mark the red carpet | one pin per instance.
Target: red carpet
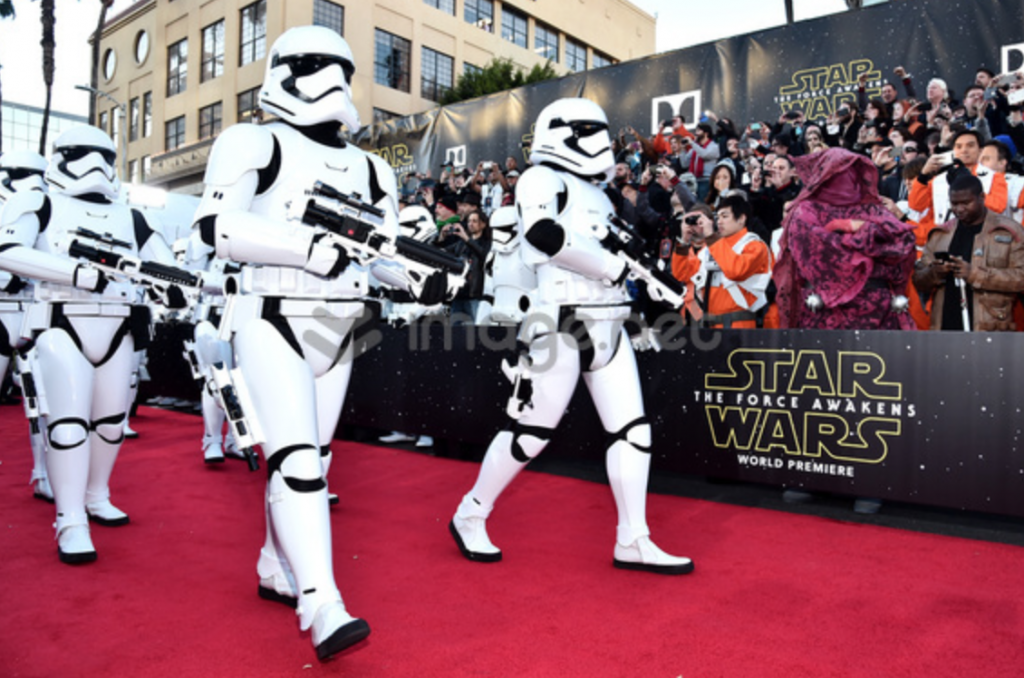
(174, 593)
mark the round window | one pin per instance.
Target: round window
(109, 64)
(141, 46)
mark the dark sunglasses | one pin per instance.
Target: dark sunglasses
(73, 153)
(303, 65)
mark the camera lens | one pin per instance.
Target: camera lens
(692, 220)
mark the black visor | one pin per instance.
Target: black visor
(19, 173)
(73, 153)
(303, 65)
(581, 128)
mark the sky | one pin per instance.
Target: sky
(680, 23)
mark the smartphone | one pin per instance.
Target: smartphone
(1015, 97)
(755, 126)
(944, 257)
(1005, 79)
(946, 158)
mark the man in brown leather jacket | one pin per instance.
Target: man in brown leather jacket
(978, 257)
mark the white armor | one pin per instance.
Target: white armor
(575, 326)
(84, 325)
(21, 171)
(297, 300)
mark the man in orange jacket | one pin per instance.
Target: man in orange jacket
(731, 274)
(929, 194)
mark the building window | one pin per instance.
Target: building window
(545, 42)
(133, 172)
(380, 115)
(147, 166)
(174, 133)
(470, 69)
(436, 71)
(115, 128)
(104, 122)
(147, 114)
(109, 64)
(177, 67)
(480, 13)
(254, 32)
(513, 26)
(213, 52)
(600, 60)
(330, 15)
(575, 55)
(391, 61)
(141, 46)
(446, 6)
(210, 120)
(133, 127)
(248, 104)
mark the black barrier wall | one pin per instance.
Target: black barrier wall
(813, 65)
(924, 417)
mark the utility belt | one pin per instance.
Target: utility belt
(136, 319)
(12, 306)
(727, 319)
(547, 319)
(243, 308)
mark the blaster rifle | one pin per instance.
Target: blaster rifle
(229, 388)
(623, 240)
(32, 396)
(150, 273)
(356, 226)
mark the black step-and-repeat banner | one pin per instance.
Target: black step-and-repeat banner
(924, 417)
(813, 65)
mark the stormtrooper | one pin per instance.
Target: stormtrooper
(509, 280)
(297, 299)
(22, 171)
(575, 325)
(207, 348)
(86, 325)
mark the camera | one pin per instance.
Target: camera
(791, 115)
(843, 112)
(692, 220)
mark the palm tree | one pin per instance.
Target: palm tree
(48, 20)
(6, 10)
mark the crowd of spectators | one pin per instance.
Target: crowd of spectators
(714, 199)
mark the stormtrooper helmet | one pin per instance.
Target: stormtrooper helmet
(416, 222)
(572, 134)
(21, 171)
(504, 229)
(84, 161)
(309, 78)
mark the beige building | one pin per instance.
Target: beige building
(185, 69)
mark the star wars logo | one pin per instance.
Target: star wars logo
(819, 92)
(804, 410)
(399, 156)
